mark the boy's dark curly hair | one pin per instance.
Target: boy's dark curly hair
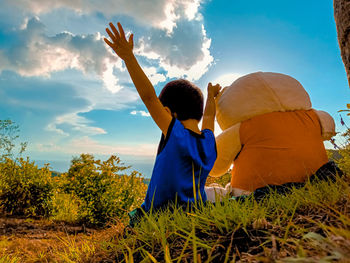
(183, 98)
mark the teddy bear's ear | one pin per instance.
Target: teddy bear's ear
(228, 145)
(327, 124)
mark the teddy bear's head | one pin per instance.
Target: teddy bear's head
(259, 93)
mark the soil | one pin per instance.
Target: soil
(31, 228)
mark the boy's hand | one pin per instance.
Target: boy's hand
(210, 110)
(121, 46)
(213, 90)
(143, 85)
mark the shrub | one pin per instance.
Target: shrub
(102, 192)
(25, 189)
(9, 131)
(64, 207)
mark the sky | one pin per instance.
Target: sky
(70, 94)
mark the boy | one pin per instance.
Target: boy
(186, 154)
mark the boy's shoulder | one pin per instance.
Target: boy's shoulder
(183, 139)
(186, 138)
(180, 132)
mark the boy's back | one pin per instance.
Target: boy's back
(187, 154)
(183, 157)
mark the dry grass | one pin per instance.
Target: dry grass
(309, 225)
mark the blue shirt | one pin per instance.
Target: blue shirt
(183, 156)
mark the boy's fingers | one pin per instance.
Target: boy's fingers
(131, 41)
(109, 43)
(111, 35)
(121, 30)
(115, 31)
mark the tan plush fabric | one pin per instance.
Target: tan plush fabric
(228, 145)
(259, 93)
(327, 124)
(253, 95)
(279, 147)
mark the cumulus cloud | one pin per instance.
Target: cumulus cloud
(153, 75)
(167, 11)
(140, 112)
(174, 44)
(174, 35)
(185, 53)
(36, 54)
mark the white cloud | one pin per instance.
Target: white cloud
(157, 13)
(36, 54)
(48, 147)
(53, 128)
(87, 145)
(109, 79)
(176, 38)
(78, 123)
(183, 54)
(174, 41)
(153, 76)
(140, 112)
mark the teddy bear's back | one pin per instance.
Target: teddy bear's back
(259, 93)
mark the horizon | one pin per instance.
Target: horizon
(70, 94)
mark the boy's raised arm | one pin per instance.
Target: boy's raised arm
(123, 48)
(210, 108)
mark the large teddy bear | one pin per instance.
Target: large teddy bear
(271, 134)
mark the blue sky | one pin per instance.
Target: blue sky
(70, 94)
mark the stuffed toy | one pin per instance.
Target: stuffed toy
(270, 133)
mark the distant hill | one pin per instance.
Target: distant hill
(146, 181)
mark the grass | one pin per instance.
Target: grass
(311, 224)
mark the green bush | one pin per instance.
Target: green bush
(102, 192)
(25, 189)
(64, 207)
(9, 131)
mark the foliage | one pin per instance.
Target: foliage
(341, 154)
(8, 135)
(102, 192)
(347, 110)
(25, 189)
(308, 225)
(65, 207)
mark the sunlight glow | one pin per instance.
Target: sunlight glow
(227, 79)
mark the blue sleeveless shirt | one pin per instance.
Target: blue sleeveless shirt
(183, 156)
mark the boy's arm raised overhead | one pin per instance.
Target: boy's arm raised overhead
(210, 108)
(123, 48)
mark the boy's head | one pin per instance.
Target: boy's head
(183, 98)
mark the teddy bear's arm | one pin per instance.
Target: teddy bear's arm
(228, 145)
(327, 124)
